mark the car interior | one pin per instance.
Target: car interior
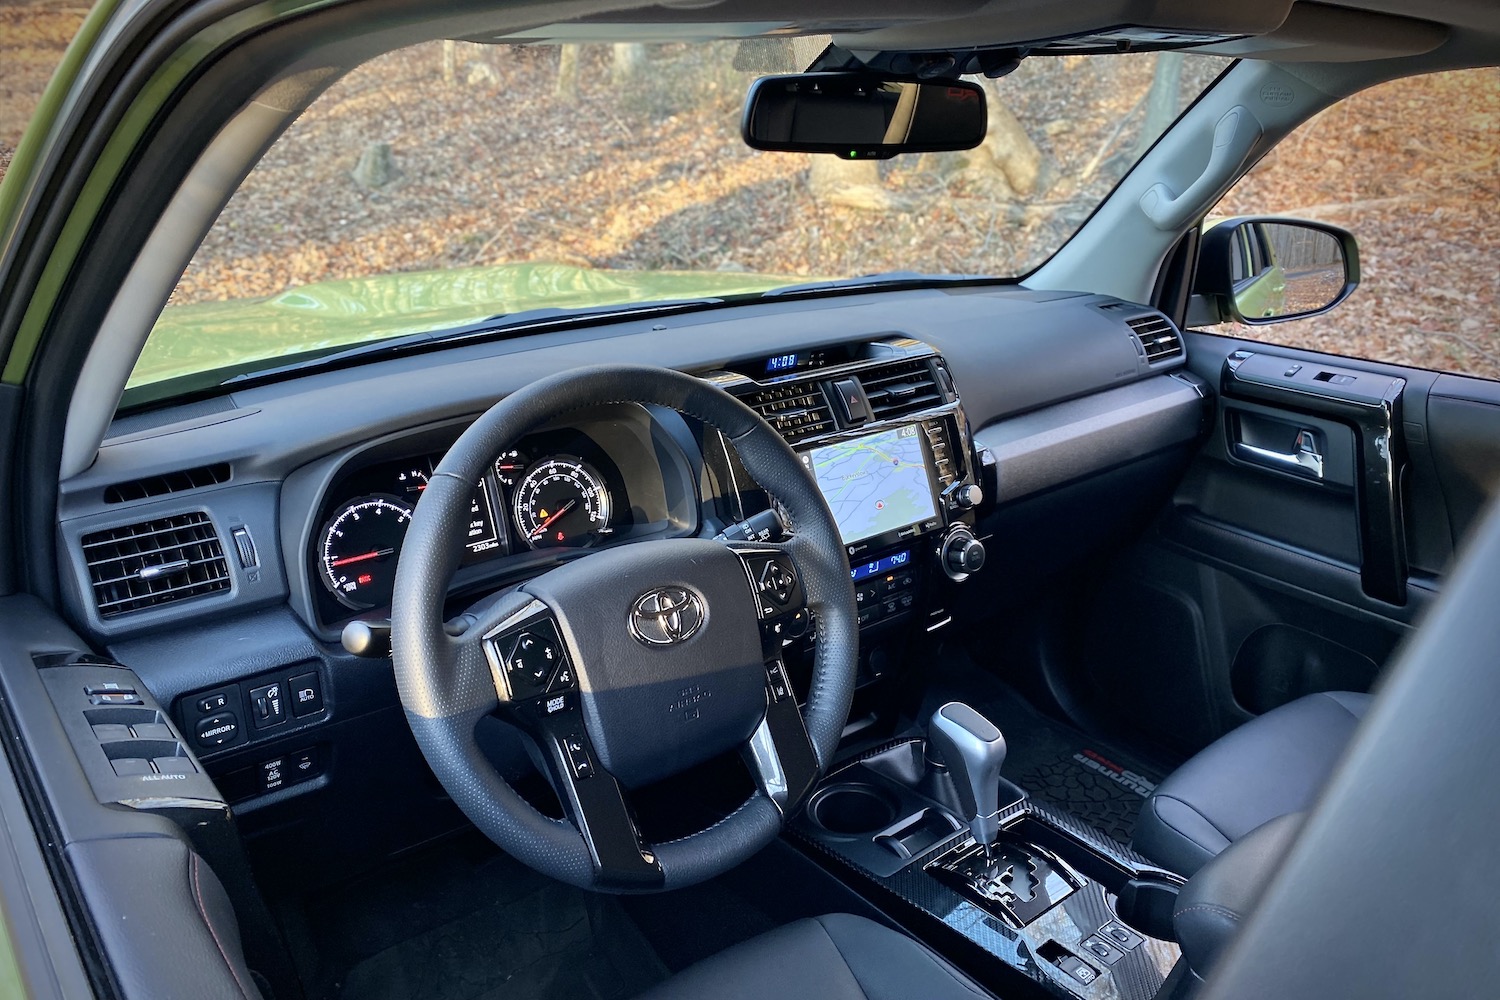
(913, 635)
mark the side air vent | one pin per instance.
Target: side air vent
(145, 565)
(1158, 337)
(167, 482)
(797, 411)
(895, 390)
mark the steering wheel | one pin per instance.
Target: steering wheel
(633, 663)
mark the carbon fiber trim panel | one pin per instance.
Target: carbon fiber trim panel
(1133, 973)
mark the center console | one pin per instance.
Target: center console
(881, 429)
(917, 826)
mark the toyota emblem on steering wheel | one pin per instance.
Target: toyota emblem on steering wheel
(666, 615)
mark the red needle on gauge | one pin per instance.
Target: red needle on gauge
(541, 529)
(363, 556)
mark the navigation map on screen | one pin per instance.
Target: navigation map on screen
(876, 483)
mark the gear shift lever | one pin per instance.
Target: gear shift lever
(974, 751)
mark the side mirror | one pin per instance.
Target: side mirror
(862, 116)
(1262, 270)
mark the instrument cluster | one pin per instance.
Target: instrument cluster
(572, 487)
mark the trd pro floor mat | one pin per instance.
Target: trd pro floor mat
(1100, 784)
(465, 923)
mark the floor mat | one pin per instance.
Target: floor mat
(468, 923)
(1100, 784)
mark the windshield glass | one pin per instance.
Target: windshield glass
(447, 183)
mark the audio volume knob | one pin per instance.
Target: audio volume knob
(963, 554)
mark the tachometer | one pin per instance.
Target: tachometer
(358, 550)
(561, 501)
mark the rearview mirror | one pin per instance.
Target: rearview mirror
(1269, 270)
(862, 116)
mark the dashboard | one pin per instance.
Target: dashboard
(288, 503)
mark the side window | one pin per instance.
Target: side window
(1410, 168)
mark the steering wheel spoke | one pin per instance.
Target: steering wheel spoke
(596, 803)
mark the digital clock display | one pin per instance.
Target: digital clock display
(782, 363)
(890, 562)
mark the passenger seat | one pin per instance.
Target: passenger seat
(1275, 764)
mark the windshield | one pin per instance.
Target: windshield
(447, 183)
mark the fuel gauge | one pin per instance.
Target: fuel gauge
(509, 466)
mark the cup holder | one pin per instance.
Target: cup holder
(853, 808)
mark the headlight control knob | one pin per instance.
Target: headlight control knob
(962, 555)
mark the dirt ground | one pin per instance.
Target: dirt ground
(491, 164)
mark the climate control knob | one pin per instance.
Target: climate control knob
(962, 554)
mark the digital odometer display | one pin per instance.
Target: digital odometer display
(875, 484)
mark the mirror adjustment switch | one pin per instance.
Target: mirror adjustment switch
(218, 730)
(267, 706)
(213, 703)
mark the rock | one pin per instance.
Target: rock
(376, 167)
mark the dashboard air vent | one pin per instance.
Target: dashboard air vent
(896, 390)
(797, 411)
(1158, 337)
(167, 482)
(144, 565)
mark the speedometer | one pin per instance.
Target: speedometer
(358, 548)
(561, 502)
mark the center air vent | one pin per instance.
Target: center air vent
(145, 565)
(896, 390)
(797, 411)
(1158, 337)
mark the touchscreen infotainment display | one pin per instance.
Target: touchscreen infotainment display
(876, 483)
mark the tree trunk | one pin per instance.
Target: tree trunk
(567, 72)
(450, 63)
(629, 64)
(1012, 150)
(1161, 100)
(851, 183)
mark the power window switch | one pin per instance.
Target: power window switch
(174, 765)
(131, 767)
(115, 698)
(153, 731)
(110, 732)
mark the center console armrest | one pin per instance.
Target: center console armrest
(1218, 898)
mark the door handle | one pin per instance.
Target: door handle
(1304, 459)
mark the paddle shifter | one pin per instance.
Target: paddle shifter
(973, 750)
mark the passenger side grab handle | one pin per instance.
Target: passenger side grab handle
(1234, 137)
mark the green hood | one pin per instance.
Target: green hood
(209, 336)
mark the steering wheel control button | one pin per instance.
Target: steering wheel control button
(777, 582)
(218, 730)
(307, 694)
(267, 706)
(534, 659)
(578, 756)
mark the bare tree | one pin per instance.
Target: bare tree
(1162, 100)
(850, 183)
(567, 72)
(629, 64)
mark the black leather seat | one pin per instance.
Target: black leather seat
(1273, 765)
(835, 957)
